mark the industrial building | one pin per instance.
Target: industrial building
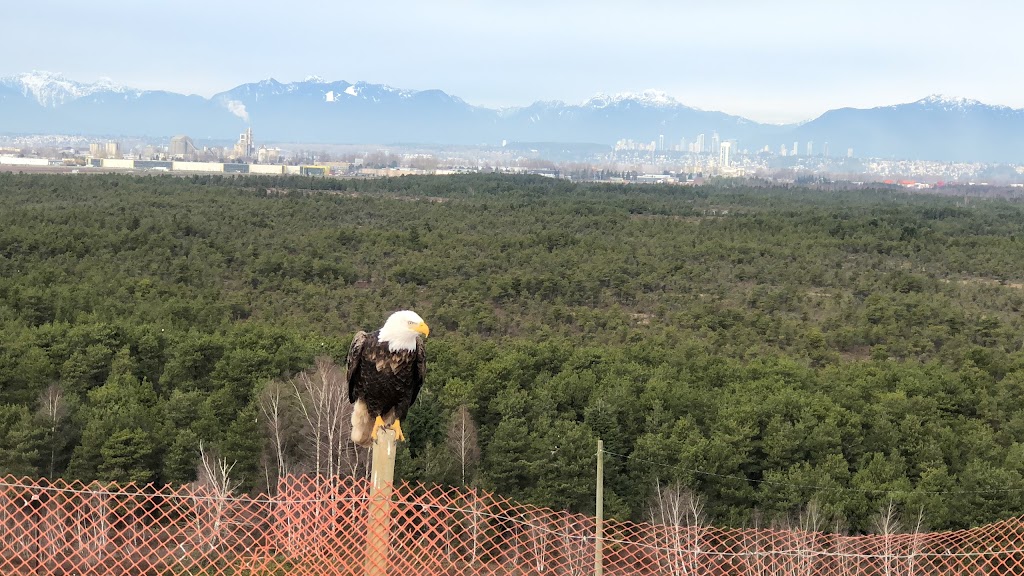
(208, 167)
(245, 147)
(19, 161)
(105, 149)
(182, 148)
(268, 155)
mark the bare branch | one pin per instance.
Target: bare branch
(215, 476)
(888, 519)
(54, 409)
(887, 524)
(322, 400)
(215, 473)
(463, 442)
(681, 512)
(273, 405)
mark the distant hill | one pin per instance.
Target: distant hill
(320, 111)
(933, 128)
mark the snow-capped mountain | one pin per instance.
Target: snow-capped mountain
(52, 90)
(948, 103)
(316, 110)
(932, 128)
(649, 98)
(44, 102)
(643, 117)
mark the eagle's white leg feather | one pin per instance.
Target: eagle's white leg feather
(362, 424)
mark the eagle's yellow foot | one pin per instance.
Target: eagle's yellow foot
(398, 430)
(377, 424)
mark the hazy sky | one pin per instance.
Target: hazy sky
(774, 61)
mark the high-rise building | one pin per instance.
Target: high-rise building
(796, 148)
(723, 154)
(782, 149)
(826, 150)
(810, 147)
(715, 141)
(661, 142)
(849, 152)
(700, 143)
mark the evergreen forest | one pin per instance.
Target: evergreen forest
(765, 348)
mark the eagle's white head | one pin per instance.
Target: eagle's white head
(401, 329)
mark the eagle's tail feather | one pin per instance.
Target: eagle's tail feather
(362, 424)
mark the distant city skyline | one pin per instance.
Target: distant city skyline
(781, 62)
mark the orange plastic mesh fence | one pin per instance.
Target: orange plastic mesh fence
(316, 526)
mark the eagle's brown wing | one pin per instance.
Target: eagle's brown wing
(355, 353)
(419, 370)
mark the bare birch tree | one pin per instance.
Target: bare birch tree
(472, 525)
(463, 441)
(274, 407)
(538, 532)
(681, 512)
(810, 521)
(322, 400)
(915, 543)
(574, 550)
(214, 476)
(887, 524)
(844, 549)
(53, 407)
(756, 546)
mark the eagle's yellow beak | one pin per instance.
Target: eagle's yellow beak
(422, 328)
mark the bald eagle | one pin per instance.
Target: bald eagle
(385, 373)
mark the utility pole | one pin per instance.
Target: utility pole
(599, 531)
(382, 478)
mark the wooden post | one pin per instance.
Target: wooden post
(599, 531)
(382, 477)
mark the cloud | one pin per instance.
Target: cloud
(238, 109)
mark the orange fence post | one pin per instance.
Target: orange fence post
(382, 477)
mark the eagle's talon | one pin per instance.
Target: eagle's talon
(398, 430)
(377, 425)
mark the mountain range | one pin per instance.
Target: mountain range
(319, 111)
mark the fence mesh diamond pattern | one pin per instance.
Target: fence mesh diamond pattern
(320, 526)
